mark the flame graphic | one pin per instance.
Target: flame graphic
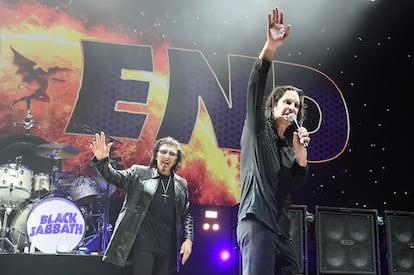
(52, 37)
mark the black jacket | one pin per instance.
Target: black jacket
(135, 180)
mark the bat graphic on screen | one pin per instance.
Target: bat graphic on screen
(33, 76)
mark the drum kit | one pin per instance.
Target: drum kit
(53, 211)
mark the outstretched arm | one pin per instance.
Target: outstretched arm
(277, 34)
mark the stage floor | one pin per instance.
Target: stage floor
(48, 264)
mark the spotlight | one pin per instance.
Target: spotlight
(206, 226)
(216, 227)
(225, 255)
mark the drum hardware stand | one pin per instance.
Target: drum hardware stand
(106, 228)
(101, 226)
(21, 234)
(3, 232)
(55, 170)
(106, 225)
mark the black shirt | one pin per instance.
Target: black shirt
(157, 233)
(268, 169)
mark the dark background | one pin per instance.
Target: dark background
(362, 45)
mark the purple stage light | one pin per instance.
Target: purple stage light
(225, 255)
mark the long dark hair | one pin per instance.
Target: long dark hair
(170, 142)
(277, 93)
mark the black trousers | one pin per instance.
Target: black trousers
(263, 251)
(147, 263)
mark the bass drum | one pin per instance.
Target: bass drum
(49, 224)
(18, 228)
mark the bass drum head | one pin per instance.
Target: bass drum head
(55, 223)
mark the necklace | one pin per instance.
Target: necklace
(165, 189)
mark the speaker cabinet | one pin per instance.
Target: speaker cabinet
(399, 228)
(297, 214)
(347, 241)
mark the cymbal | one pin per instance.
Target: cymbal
(56, 150)
(20, 148)
(21, 139)
(27, 154)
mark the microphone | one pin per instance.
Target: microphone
(292, 119)
(89, 129)
(93, 131)
(28, 122)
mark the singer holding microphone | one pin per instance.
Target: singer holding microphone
(273, 164)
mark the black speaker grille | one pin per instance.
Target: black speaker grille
(346, 242)
(400, 242)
